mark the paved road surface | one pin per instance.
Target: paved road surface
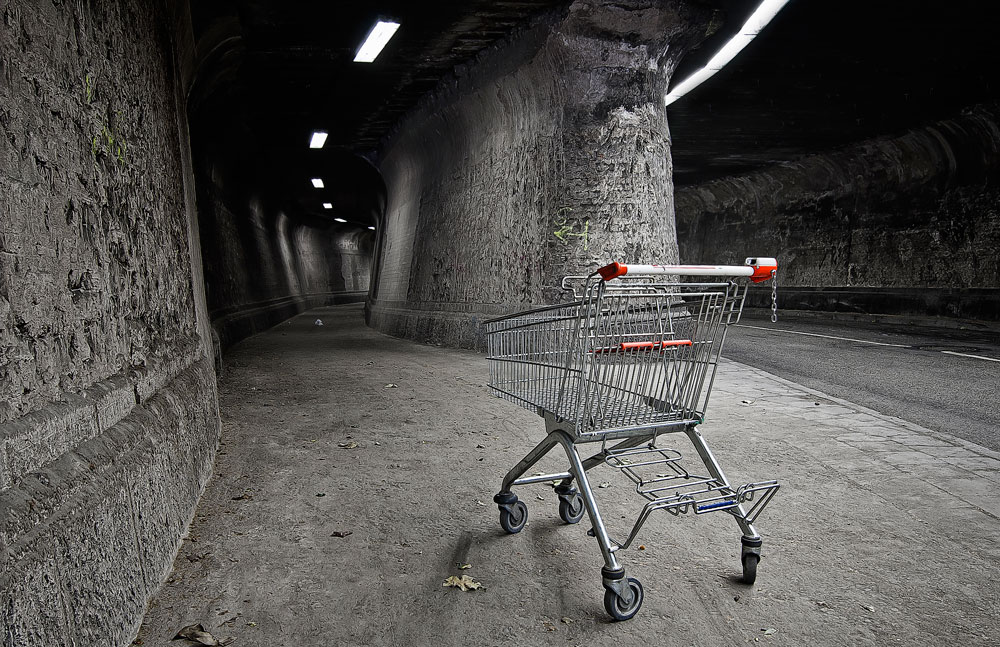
(941, 379)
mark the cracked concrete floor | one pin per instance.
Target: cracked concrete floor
(883, 533)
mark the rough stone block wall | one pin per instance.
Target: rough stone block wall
(907, 224)
(469, 179)
(88, 537)
(108, 410)
(546, 156)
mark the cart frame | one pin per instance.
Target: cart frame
(632, 358)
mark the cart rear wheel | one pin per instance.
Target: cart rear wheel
(514, 518)
(750, 568)
(571, 509)
(617, 607)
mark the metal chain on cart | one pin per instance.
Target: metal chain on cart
(774, 296)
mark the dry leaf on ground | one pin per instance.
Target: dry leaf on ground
(462, 566)
(465, 583)
(348, 445)
(197, 633)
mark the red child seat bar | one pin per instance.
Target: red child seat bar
(644, 345)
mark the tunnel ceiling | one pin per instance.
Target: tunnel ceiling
(827, 73)
(276, 71)
(824, 74)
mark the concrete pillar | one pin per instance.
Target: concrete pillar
(547, 155)
(615, 199)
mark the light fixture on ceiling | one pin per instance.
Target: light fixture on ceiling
(340, 220)
(318, 139)
(375, 41)
(327, 205)
(372, 228)
(317, 182)
(759, 19)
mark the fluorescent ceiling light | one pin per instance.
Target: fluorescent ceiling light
(375, 41)
(317, 182)
(340, 220)
(327, 205)
(318, 139)
(372, 228)
(767, 10)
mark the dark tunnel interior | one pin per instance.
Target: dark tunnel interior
(827, 74)
(824, 76)
(161, 203)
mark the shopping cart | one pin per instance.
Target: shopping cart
(631, 358)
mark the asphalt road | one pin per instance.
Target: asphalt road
(938, 378)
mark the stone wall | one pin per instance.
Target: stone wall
(896, 225)
(548, 155)
(108, 416)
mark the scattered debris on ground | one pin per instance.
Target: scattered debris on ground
(198, 635)
(464, 583)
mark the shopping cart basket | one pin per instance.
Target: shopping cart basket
(631, 358)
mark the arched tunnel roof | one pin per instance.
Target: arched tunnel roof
(827, 73)
(824, 74)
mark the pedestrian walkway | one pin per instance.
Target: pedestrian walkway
(356, 473)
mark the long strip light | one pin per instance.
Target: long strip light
(318, 139)
(340, 220)
(317, 182)
(759, 19)
(328, 205)
(375, 41)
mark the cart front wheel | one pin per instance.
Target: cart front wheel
(617, 607)
(750, 568)
(571, 508)
(512, 519)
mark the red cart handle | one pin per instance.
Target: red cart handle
(758, 269)
(644, 345)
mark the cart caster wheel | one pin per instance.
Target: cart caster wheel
(512, 519)
(617, 608)
(750, 562)
(571, 509)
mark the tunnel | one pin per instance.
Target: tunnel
(189, 185)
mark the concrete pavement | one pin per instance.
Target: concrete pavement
(357, 473)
